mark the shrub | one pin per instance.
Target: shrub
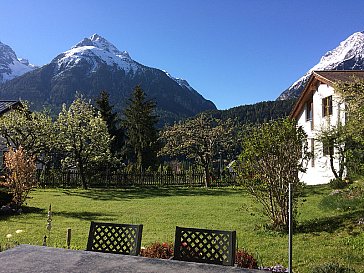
(272, 155)
(158, 250)
(244, 259)
(21, 174)
(338, 183)
(332, 268)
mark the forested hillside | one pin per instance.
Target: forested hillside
(256, 113)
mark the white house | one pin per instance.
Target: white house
(320, 107)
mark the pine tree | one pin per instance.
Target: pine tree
(141, 131)
(112, 122)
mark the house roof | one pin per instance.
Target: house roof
(340, 75)
(6, 105)
(329, 77)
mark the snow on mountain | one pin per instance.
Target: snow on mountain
(349, 55)
(96, 50)
(10, 66)
(181, 82)
(94, 64)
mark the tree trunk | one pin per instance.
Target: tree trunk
(83, 176)
(332, 165)
(207, 176)
(139, 160)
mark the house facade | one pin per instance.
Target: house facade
(320, 108)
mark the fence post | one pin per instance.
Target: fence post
(68, 241)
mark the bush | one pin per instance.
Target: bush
(332, 268)
(244, 259)
(158, 250)
(338, 183)
(21, 174)
(272, 155)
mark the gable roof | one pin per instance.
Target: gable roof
(340, 75)
(6, 105)
(329, 77)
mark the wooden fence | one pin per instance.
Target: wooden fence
(72, 179)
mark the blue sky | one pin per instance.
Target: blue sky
(233, 52)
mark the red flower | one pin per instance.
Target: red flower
(165, 245)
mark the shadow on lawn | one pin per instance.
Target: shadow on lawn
(330, 224)
(315, 190)
(141, 193)
(88, 216)
(25, 210)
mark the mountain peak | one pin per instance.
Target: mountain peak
(347, 49)
(100, 42)
(95, 50)
(348, 55)
(7, 53)
(10, 65)
(97, 37)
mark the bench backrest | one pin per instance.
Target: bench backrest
(115, 238)
(205, 246)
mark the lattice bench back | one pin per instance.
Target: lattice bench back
(115, 238)
(205, 246)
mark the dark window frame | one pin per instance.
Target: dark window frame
(327, 106)
(309, 112)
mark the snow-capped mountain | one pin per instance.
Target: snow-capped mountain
(96, 51)
(10, 65)
(349, 55)
(95, 64)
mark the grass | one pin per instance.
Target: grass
(325, 234)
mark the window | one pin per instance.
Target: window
(327, 106)
(328, 148)
(309, 110)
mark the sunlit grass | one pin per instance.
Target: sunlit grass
(323, 235)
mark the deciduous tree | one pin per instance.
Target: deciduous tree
(34, 131)
(83, 136)
(352, 94)
(272, 155)
(199, 139)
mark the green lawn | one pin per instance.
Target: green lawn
(324, 235)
